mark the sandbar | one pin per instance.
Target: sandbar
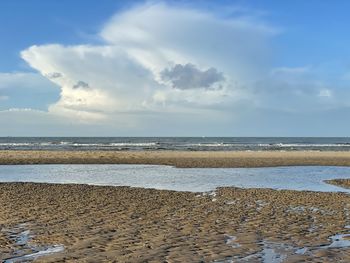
(180, 158)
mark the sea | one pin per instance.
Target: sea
(177, 143)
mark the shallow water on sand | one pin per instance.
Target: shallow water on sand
(180, 179)
(24, 251)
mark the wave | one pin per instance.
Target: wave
(119, 144)
(169, 145)
(305, 145)
(80, 144)
(267, 145)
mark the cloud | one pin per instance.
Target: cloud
(81, 84)
(116, 82)
(31, 122)
(53, 75)
(299, 90)
(160, 68)
(325, 93)
(26, 90)
(290, 70)
(189, 77)
(195, 69)
(192, 60)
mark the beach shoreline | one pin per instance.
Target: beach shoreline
(182, 159)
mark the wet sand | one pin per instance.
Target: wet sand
(123, 224)
(345, 183)
(178, 158)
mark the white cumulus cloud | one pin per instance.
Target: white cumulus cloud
(156, 58)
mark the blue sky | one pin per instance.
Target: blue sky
(213, 68)
(26, 23)
(316, 29)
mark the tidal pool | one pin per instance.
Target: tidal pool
(309, 178)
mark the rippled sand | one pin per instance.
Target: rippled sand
(123, 224)
(178, 158)
(345, 183)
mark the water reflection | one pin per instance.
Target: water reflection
(179, 179)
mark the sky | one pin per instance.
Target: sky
(174, 68)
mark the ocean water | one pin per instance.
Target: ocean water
(309, 178)
(176, 143)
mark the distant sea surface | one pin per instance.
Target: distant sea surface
(176, 143)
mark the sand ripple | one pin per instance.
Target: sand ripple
(123, 224)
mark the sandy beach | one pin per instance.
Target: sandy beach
(345, 183)
(179, 158)
(122, 224)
